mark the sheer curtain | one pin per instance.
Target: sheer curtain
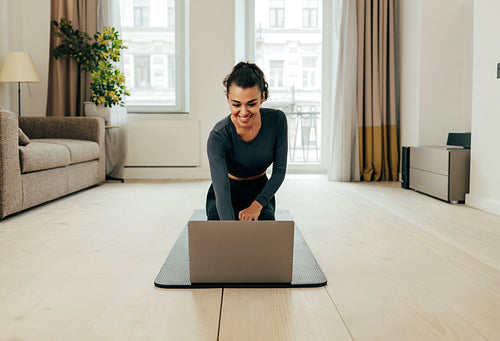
(343, 163)
(108, 14)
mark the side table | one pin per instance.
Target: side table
(107, 176)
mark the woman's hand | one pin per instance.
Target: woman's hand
(252, 212)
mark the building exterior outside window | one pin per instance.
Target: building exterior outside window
(291, 58)
(149, 32)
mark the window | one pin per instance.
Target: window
(309, 17)
(142, 71)
(291, 58)
(154, 60)
(276, 17)
(159, 69)
(141, 13)
(309, 72)
(276, 73)
(276, 13)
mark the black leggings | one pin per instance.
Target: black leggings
(243, 193)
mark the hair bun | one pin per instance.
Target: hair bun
(247, 75)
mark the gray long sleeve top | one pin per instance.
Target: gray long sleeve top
(228, 153)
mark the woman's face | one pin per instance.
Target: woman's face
(245, 105)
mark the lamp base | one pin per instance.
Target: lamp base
(19, 97)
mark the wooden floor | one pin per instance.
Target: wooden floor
(400, 266)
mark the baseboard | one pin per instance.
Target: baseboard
(164, 173)
(485, 204)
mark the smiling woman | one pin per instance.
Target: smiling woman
(242, 146)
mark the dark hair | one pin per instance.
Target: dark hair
(247, 75)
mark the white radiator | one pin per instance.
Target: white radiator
(155, 143)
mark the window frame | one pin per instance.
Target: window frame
(181, 64)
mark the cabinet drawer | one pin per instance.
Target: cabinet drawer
(433, 160)
(429, 183)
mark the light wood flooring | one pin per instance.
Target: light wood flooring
(400, 266)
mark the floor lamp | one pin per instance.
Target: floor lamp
(19, 68)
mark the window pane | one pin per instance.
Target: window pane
(142, 71)
(314, 18)
(272, 17)
(171, 13)
(281, 17)
(291, 59)
(305, 18)
(171, 71)
(148, 30)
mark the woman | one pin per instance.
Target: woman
(242, 146)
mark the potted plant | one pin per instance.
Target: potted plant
(96, 56)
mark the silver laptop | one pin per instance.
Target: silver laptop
(240, 251)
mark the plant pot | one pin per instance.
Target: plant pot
(90, 109)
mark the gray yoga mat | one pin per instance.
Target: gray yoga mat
(174, 273)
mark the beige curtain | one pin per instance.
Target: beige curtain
(68, 88)
(377, 90)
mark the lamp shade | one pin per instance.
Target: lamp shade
(18, 67)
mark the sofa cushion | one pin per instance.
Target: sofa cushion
(79, 150)
(23, 139)
(40, 156)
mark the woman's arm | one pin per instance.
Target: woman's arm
(279, 162)
(216, 151)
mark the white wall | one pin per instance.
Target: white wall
(10, 40)
(448, 54)
(26, 28)
(211, 58)
(446, 70)
(436, 70)
(485, 148)
(409, 49)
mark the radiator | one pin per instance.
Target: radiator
(154, 143)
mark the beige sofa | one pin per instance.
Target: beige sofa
(64, 155)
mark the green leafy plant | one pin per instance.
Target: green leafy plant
(95, 55)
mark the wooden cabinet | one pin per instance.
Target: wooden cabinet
(442, 172)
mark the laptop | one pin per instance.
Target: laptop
(240, 251)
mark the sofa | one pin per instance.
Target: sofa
(44, 158)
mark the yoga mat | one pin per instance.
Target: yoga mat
(174, 273)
